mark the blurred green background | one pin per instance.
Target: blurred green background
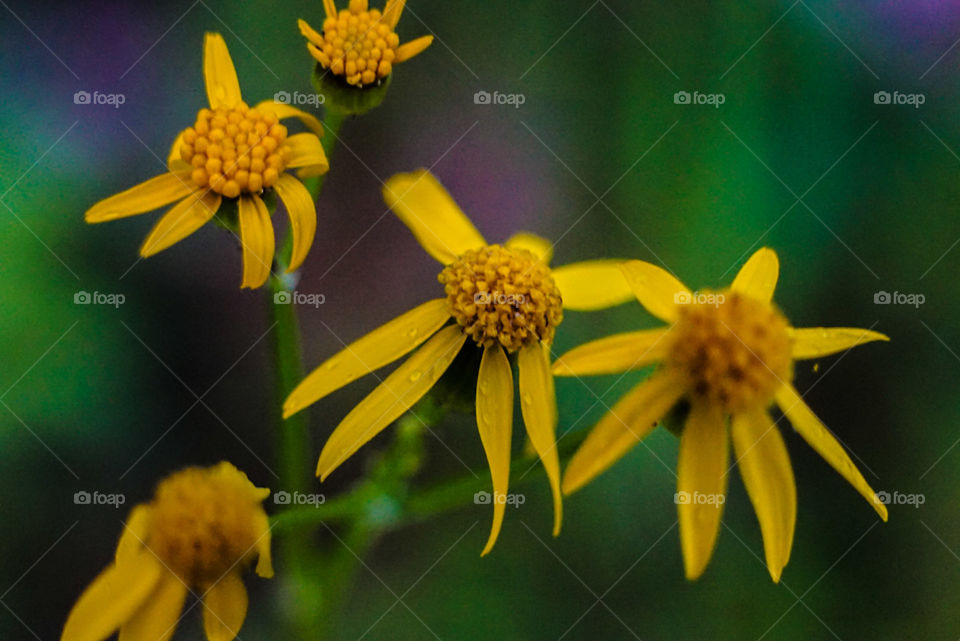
(856, 197)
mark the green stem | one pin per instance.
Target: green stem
(332, 122)
(418, 505)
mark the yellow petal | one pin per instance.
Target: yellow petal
(264, 558)
(592, 285)
(391, 13)
(175, 162)
(219, 74)
(184, 218)
(157, 619)
(256, 236)
(629, 422)
(614, 354)
(398, 393)
(758, 276)
(768, 476)
(495, 422)
(655, 288)
(147, 196)
(134, 534)
(701, 485)
(814, 342)
(358, 6)
(815, 433)
(286, 111)
(309, 32)
(378, 348)
(436, 221)
(538, 402)
(112, 598)
(539, 247)
(329, 8)
(409, 49)
(225, 608)
(303, 217)
(306, 151)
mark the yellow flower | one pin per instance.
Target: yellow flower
(505, 298)
(729, 355)
(232, 152)
(359, 43)
(203, 527)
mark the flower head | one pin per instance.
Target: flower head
(359, 44)
(203, 527)
(730, 356)
(503, 300)
(233, 152)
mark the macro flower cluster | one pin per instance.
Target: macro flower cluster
(722, 362)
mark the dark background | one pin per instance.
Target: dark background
(856, 198)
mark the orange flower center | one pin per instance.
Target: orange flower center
(735, 351)
(359, 46)
(235, 151)
(499, 294)
(204, 525)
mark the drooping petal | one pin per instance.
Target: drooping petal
(306, 151)
(629, 422)
(157, 618)
(378, 348)
(758, 276)
(264, 567)
(398, 393)
(656, 289)
(219, 74)
(410, 49)
(701, 485)
(538, 403)
(134, 534)
(303, 217)
(814, 342)
(768, 476)
(329, 8)
(436, 221)
(495, 422)
(614, 354)
(184, 218)
(815, 433)
(536, 245)
(175, 162)
(147, 196)
(592, 285)
(225, 608)
(256, 236)
(284, 110)
(112, 598)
